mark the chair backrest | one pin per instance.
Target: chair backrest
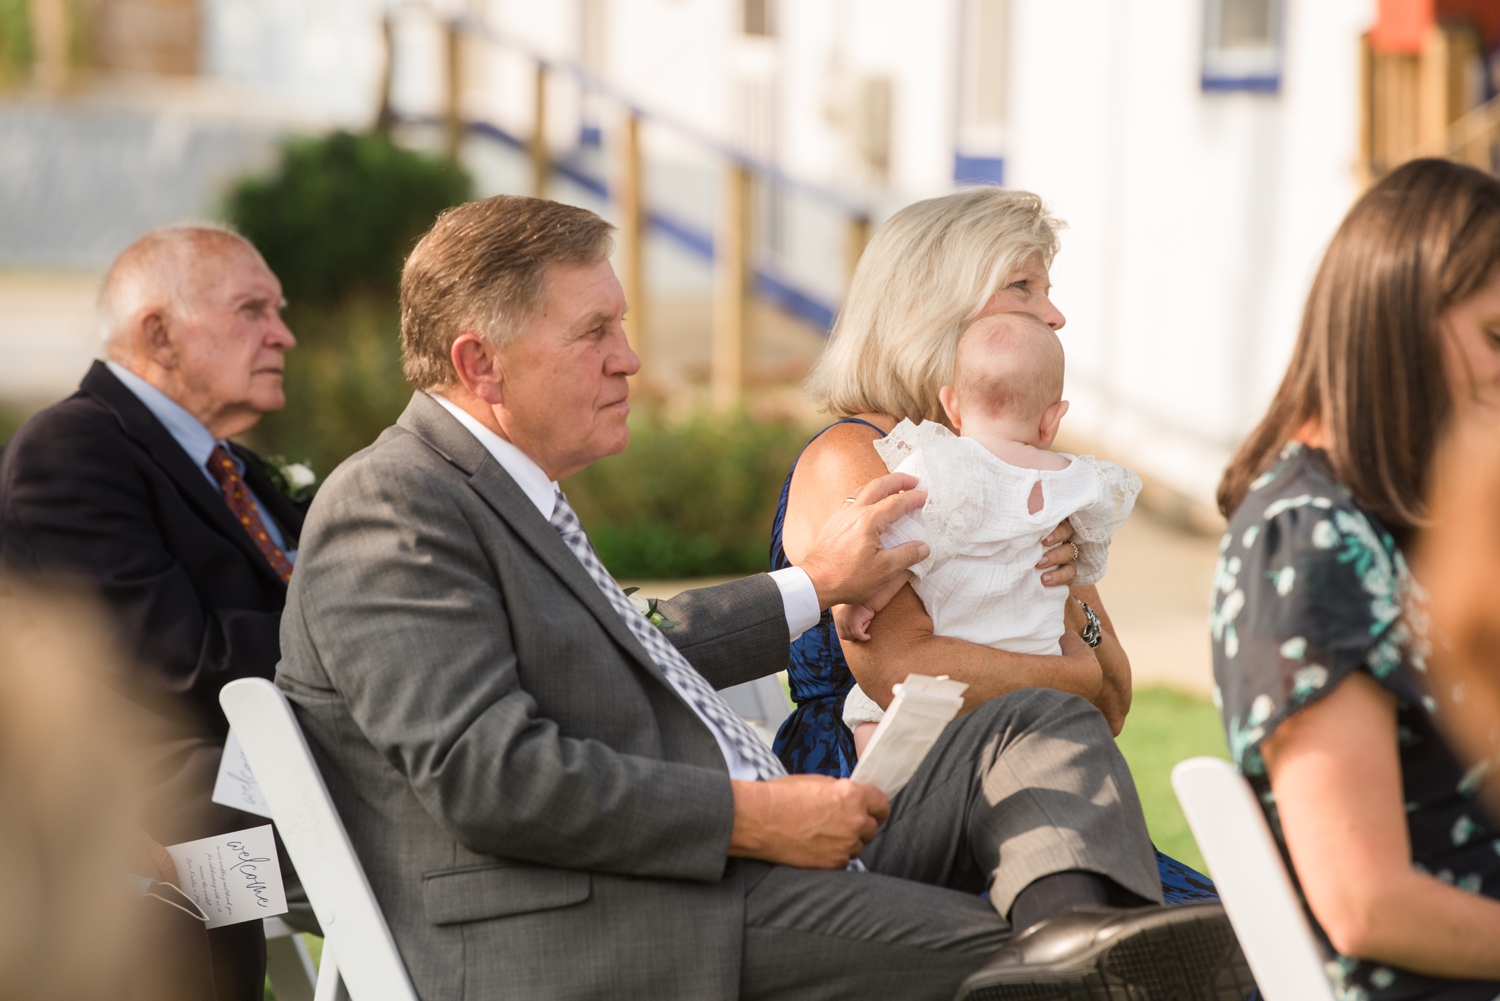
(354, 928)
(1246, 866)
(762, 702)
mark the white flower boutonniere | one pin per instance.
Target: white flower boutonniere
(647, 607)
(295, 479)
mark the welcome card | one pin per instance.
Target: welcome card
(233, 877)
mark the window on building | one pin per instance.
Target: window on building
(1242, 45)
(759, 17)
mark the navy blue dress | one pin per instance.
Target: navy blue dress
(814, 738)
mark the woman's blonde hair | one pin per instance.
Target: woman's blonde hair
(925, 276)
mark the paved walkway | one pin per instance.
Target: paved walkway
(1156, 591)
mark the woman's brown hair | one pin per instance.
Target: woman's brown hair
(1368, 363)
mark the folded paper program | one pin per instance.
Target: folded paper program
(915, 718)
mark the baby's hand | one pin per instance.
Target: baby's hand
(853, 622)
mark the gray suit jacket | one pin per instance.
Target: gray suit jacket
(539, 812)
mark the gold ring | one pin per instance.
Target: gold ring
(1075, 551)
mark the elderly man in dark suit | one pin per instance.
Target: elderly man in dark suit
(133, 487)
(549, 796)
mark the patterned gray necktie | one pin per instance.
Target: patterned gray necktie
(684, 677)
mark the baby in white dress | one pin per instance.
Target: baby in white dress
(993, 495)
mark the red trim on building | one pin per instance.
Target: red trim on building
(1401, 26)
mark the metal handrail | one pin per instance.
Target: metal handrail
(1470, 128)
(595, 83)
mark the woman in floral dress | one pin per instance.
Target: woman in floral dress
(1319, 636)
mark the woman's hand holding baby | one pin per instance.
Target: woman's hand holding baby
(1061, 554)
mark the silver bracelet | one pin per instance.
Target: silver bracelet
(1091, 633)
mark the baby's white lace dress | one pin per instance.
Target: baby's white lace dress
(980, 582)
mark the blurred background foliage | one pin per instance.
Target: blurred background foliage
(687, 499)
(10, 422)
(1166, 726)
(335, 220)
(15, 42)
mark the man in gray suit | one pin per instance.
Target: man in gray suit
(549, 797)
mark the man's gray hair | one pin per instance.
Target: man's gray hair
(161, 270)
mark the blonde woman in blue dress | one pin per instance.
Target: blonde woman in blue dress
(930, 272)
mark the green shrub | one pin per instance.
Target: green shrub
(687, 500)
(335, 221)
(343, 382)
(342, 212)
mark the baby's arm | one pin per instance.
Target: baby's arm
(853, 621)
(862, 716)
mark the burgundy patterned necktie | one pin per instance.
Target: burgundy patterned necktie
(226, 471)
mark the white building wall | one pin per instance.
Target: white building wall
(311, 60)
(1196, 218)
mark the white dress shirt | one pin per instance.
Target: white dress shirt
(798, 596)
(196, 441)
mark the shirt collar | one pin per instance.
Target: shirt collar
(186, 429)
(533, 482)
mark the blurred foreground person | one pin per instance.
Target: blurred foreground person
(132, 488)
(72, 925)
(1321, 672)
(1459, 566)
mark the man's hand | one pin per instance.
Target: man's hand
(809, 821)
(847, 564)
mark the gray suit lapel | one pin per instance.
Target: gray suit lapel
(429, 421)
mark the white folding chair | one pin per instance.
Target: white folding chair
(358, 950)
(288, 963)
(1263, 908)
(762, 703)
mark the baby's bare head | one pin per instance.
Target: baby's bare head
(1009, 365)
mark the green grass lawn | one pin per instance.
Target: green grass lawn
(1165, 726)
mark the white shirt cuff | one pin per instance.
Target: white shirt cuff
(800, 599)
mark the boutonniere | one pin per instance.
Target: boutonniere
(648, 609)
(295, 479)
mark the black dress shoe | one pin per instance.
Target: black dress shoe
(1186, 952)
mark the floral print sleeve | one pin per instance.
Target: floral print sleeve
(1309, 588)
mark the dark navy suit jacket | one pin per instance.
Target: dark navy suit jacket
(95, 490)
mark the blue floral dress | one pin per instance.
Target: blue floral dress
(814, 738)
(1309, 589)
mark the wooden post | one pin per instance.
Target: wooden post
(731, 301)
(856, 235)
(453, 119)
(1433, 101)
(633, 225)
(49, 34)
(386, 116)
(540, 166)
